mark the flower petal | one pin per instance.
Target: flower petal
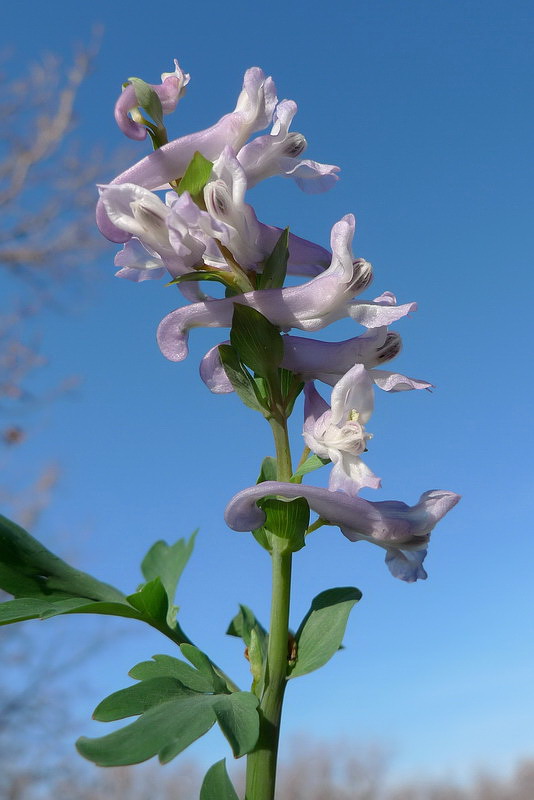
(395, 382)
(354, 391)
(212, 372)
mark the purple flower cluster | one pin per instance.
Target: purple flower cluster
(217, 232)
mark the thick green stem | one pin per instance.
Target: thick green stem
(284, 469)
(261, 764)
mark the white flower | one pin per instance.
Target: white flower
(338, 431)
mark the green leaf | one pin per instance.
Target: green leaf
(28, 569)
(217, 785)
(167, 562)
(322, 629)
(238, 720)
(147, 98)
(137, 699)
(172, 717)
(204, 665)
(169, 667)
(287, 521)
(196, 176)
(240, 379)
(274, 271)
(164, 730)
(312, 463)
(257, 341)
(151, 600)
(44, 586)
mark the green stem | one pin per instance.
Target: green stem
(261, 763)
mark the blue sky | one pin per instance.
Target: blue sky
(427, 109)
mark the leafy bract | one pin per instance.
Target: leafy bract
(172, 714)
(241, 379)
(274, 270)
(286, 521)
(321, 632)
(196, 175)
(256, 340)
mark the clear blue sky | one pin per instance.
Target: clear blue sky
(427, 108)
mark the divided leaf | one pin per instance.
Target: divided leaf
(172, 714)
(28, 569)
(167, 562)
(167, 666)
(44, 586)
(321, 632)
(151, 600)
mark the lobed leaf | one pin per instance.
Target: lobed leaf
(167, 562)
(167, 666)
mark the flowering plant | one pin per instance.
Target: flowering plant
(201, 232)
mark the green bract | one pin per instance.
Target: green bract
(196, 176)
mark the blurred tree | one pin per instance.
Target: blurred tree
(48, 246)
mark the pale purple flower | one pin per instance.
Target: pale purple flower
(311, 306)
(313, 359)
(402, 530)
(138, 212)
(171, 89)
(337, 432)
(278, 153)
(249, 240)
(173, 232)
(138, 262)
(252, 113)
